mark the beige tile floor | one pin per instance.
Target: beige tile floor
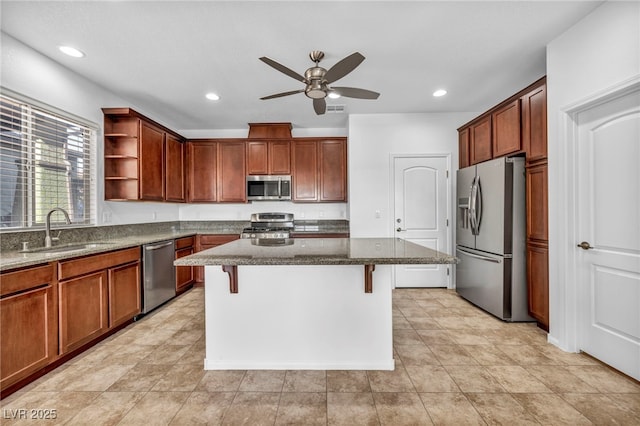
(455, 365)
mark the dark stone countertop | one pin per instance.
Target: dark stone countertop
(317, 251)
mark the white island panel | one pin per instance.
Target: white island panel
(299, 317)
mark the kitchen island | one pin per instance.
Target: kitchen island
(321, 303)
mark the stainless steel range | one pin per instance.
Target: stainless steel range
(269, 226)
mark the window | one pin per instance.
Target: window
(47, 159)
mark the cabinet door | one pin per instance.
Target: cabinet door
(537, 202)
(257, 158)
(28, 339)
(184, 274)
(538, 282)
(480, 141)
(82, 309)
(506, 129)
(174, 167)
(463, 148)
(304, 168)
(280, 158)
(124, 293)
(333, 170)
(201, 172)
(534, 119)
(232, 180)
(151, 159)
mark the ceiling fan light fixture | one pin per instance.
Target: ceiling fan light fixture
(334, 95)
(440, 92)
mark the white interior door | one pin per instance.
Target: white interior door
(609, 222)
(421, 215)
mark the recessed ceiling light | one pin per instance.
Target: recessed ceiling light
(334, 95)
(212, 96)
(71, 51)
(439, 92)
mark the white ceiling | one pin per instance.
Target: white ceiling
(166, 55)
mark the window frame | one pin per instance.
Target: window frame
(31, 112)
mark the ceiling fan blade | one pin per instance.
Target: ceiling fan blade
(343, 67)
(320, 106)
(279, 95)
(291, 73)
(352, 92)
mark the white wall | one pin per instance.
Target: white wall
(372, 141)
(27, 72)
(598, 53)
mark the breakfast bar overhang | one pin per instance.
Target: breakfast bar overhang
(304, 303)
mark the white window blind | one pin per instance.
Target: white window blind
(47, 160)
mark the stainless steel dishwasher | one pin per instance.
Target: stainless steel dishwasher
(158, 274)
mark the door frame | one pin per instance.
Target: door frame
(450, 198)
(564, 311)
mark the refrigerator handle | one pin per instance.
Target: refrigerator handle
(472, 206)
(477, 256)
(478, 207)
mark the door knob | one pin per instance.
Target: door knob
(585, 245)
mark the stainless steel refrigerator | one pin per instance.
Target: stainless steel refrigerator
(490, 237)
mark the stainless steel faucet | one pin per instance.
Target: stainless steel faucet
(48, 239)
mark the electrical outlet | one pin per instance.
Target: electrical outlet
(377, 214)
(106, 217)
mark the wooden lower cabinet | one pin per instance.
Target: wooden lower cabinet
(538, 282)
(124, 293)
(96, 293)
(207, 241)
(185, 275)
(83, 305)
(28, 323)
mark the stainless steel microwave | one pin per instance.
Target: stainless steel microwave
(268, 187)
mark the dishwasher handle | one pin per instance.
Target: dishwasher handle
(477, 256)
(159, 246)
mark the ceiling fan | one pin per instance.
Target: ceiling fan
(317, 80)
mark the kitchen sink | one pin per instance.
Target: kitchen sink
(64, 248)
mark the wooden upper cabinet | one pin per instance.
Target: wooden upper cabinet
(333, 170)
(175, 169)
(232, 176)
(506, 137)
(480, 141)
(534, 123)
(463, 148)
(280, 157)
(151, 162)
(304, 170)
(269, 157)
(257, 157)
(143, 160)
(202, 163)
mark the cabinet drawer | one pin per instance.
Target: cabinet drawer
(84, 265)
(24, 279)
(216, 240)
(185, 242)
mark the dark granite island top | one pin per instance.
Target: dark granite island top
(317, 251)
